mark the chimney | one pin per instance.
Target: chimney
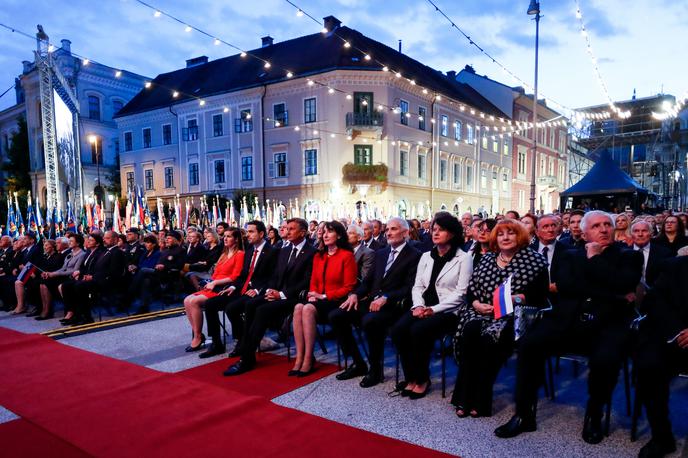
(331, 23)
(66, 45)
(469, 69)
(267, 41)
(196, 61)
(399, 46)
(451, 74)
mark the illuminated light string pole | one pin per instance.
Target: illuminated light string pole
(573, 113)
(596, 69)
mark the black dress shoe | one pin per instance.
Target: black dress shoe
(355, 370)
(415, 395)
(657, 449)
(293, 372)
(234, 353)
(239, 368)
(371, 379)
(515, 426)
(213, 350)
(592, 428)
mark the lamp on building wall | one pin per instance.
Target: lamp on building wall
(534, 9)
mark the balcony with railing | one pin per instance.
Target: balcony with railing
(371, 120)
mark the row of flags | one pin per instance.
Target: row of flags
(137, 214)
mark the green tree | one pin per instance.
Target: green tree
(114, 179)
(17, 164)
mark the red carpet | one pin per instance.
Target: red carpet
(268, 380)
(107, 407)
(19, 438)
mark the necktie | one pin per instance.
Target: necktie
(390, 261)
(250, 272)
(292, 256)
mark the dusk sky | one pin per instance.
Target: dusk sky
(639, 44)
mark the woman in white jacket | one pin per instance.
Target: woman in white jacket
(439, 290)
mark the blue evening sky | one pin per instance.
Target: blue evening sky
(639, 44)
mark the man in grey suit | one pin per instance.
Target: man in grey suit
(365, 257)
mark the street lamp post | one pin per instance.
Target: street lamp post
(534, 9)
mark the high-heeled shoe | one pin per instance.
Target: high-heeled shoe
(416, 395)
(301, 373)
(461, 412)
(190, 349)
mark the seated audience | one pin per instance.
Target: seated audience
(50, 281)
(672, 234)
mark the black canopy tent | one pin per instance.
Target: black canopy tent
(605, 187)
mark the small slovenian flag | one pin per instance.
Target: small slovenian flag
(501, 300)
(26, 273)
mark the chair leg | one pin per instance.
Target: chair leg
(321, 341)
(637, 411)
(396, 374)
(444, 368)
(627, 387)
(550, 379)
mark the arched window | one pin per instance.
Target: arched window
(94, 107)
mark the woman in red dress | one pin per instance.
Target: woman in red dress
(227, 269)
(333, 278)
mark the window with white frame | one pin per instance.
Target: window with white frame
(193, 174)
(169, 177)
(219, 171)
(483, 138)
(218, 130)
(280, 115)
(469, 177)
(247, 168)
(309, 110)
(94, 107)
(421, 166)
(562, 142)
(551, 137)
(469, 134)
(128, 141)
(280, 167)
(458, 126)
(543, 165)
(403, 163)
(506, 145)
(310, 162)
(130, 181)
(551, 167)
(422, 113)
(443, 170)
(167, 134)
(521, 164)
(521, 198)
(148, 179)
(483, 178)
(494, 180)
(457, 174)
(505, 182)
(147, 137)
(495, 144)
(404, 107)
(444, 125)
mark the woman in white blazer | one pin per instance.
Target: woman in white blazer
(439, 290)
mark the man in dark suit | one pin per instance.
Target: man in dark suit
(546, 243)
(654, 254)
(365, 257)
(259, 266)
(291, 277)
(104, 277)
(380, 305)
(6, 277)
(378, 234)
(592, 316)
(134, 249)
(368, 239)
(663, 352)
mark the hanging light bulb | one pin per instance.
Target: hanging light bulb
(175, 94)
(290, 74)
(267, 65)
(188, 28)
(367, 57)
(157, 14)
(217, 42)
(347, 44)
(330, 91)
(299, 13)
(201, 102)
(85, 62)
(148, 84)
(226, 110)
(243, 54)
(118, 73)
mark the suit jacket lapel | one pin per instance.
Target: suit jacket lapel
(447, 267)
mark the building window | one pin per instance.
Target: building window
(167, 134)
(457, 174)
(244, 123)
(130, 181)
(543, 164)
(469, 134)
(505, 182)
(116, 106)
(309, 110)
(494, 180)
(444, 128)
(521, 198)
(483, 138)
(404, 107)
(421, 166)
(483, 178)
(169, 177)
(128, 141)
(279, 168)
(193, 174)
(190, 133)
(310, 160)
(551, 167)
(495, 144)
(551, 137)
(521, 167)
(457, 129)
(562, 142)
(403, 163)
(94, 107)
(219, 171)
(363, 154)
(422, 113)
(506, 146)
(443, 170)
(148, 179)
(280, 115)
(469, 177)
(247, 168)
(97, 151)
(147, 137)
(218, 131)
